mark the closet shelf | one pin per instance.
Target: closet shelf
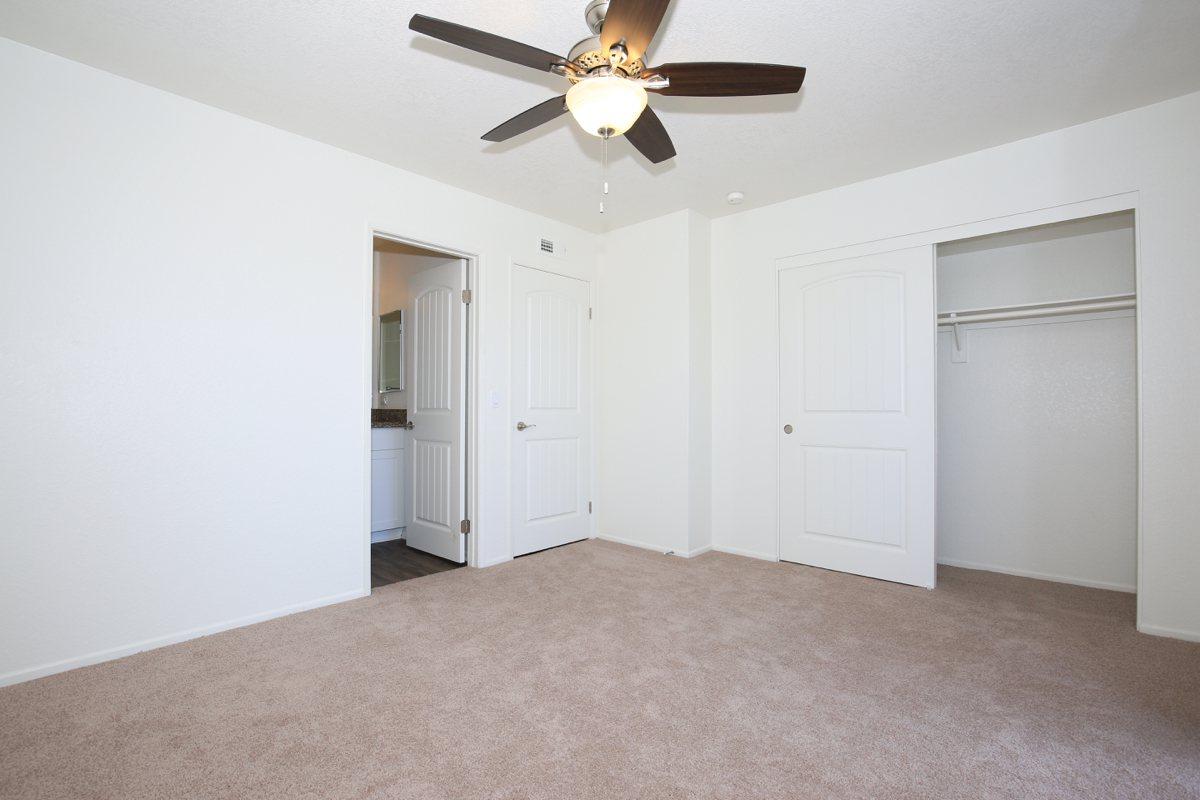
(1083, 305)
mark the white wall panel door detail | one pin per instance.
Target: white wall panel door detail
(436, 377)
(551, 387)
(857, 387)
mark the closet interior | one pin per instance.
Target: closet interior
(1037, 447)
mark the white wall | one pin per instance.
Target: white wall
(1090, 257)
(1037, 450)
(1037, 428)
(1154, 152)
(699, 286)
(653, 373)
(184, 351)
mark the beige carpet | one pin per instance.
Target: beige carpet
(601, 671)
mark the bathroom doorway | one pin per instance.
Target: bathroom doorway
(418, 487)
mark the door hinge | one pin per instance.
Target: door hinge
(466, 299)
(589, 312)
(589, 506)
(464, 526)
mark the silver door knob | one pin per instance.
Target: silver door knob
(787, 429)
(522, 426)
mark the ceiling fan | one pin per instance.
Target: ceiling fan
(609, 77)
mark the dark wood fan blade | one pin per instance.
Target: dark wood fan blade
(729, 79)
(635, 21)
(486, 43)
(650, 137)
(528, 120)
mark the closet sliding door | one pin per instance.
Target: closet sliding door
(856, 437)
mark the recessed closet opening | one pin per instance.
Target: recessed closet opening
(1037, 448)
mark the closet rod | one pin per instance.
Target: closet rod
(1087, 306)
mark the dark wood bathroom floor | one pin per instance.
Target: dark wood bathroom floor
(395, 561)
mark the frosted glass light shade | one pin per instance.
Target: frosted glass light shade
(606, 102)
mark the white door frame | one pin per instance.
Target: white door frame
(471, 416)
(1127, 201)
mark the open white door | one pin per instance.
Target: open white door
(551, 386)
(436, 386)
(857, 388)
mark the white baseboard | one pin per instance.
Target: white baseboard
(658, 548)
(699, 551)
(387, 536)
(735, 551)
(1170, 633)
(20, 676)
(1041, 576)
(494, 562)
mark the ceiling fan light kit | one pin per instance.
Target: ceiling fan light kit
(609, 78)
(606, 105)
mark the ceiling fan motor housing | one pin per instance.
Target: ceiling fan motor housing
(589, 54)
(594, 14)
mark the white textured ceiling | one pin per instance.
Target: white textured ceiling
(890, 84)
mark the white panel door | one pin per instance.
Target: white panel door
(857, 389)
(436, 381)
(551, 386)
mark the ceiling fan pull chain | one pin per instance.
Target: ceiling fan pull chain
(603, 170)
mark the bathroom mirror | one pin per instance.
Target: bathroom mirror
(391, 351)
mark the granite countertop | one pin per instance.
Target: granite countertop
(389, 417)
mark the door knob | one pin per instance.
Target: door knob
(787, 428)
(522, 426)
